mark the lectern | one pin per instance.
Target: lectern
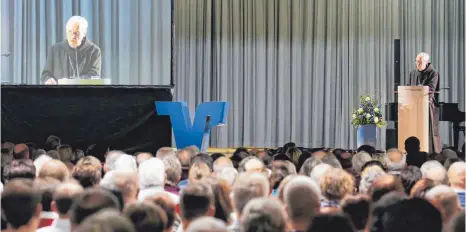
(413, 115)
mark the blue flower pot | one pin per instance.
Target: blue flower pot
(367, 135)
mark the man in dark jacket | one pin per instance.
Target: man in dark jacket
(76, 57)
(426, 75)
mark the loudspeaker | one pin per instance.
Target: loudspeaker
(396, 67)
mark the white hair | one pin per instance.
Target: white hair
(111, 158)
(83, 24)
(359, 159)
(438, 190)
(164, 152)
(126, 163)
(425, 56)
(40, 161)
(395, 167)
(227, 174)
(369, 177)
(123, 181)
(319, 171)
(151, 173)
(247, 187)
(435, 171)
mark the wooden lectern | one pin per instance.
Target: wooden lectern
(413, 115)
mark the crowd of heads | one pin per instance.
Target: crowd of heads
(59, 188)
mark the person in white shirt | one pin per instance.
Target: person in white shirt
(61, 204)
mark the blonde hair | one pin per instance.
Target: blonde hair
(336, 184)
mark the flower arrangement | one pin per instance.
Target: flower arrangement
(368, 112)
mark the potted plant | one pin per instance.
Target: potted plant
(367, 118)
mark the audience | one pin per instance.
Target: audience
(147, 217)
(249, 191)
(302, 200)
(173, 174)
(435, 171)
(414, 155)
(21, 205)
(63, 198)
(196, 200)
(247, 187)
(358, 209)
(446, 201)
(54, 169)
(89, 202)
(395, 161)
(205, 224)
(409, 176)
(263, 214)
(165, 152)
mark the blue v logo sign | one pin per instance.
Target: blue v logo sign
(207, 116)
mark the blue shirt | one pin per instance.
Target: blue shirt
(461, 198)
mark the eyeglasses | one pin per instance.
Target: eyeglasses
(420, 61)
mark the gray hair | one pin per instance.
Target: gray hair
(369, 176)
(164, 152)
(319, 171)
(243, 163)
(395, 167)
(227, 174)
(172, 169)
(207, 224)
(331, 160)
(83, 24)
(425, 56)
(126, 162)
(111, 158)
(309, 165)
(302, 196)
(263, 214)
(359, 159)
(151, 173)
(435, 171)
(447, 198)
(247, 187)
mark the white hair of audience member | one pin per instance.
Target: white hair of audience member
(164, 152)
(435, 171)
(369, 175)
(210, 224)
(151, 173)
(359, 159)
(319, 171)
(126, 163)
(263, 214)
(447, 198)
(107, 181)
(227, 174)
(40, 161)
(302, 198)
(425, 56)
(395, 167)
(457, 175)
(110, 160)
(124, 181)
(331, 160)
(83, 24)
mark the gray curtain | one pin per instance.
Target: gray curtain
(134, 36)
(293, 70)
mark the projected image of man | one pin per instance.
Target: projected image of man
(75, 57)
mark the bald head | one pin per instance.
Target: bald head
(221, 163)
(143, 156)
(54, 169)
(456, 175)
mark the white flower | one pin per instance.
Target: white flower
(376, 110)
(376, 120)
(354, 116)
(360, 110)
(368, 98)
(368, 116)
